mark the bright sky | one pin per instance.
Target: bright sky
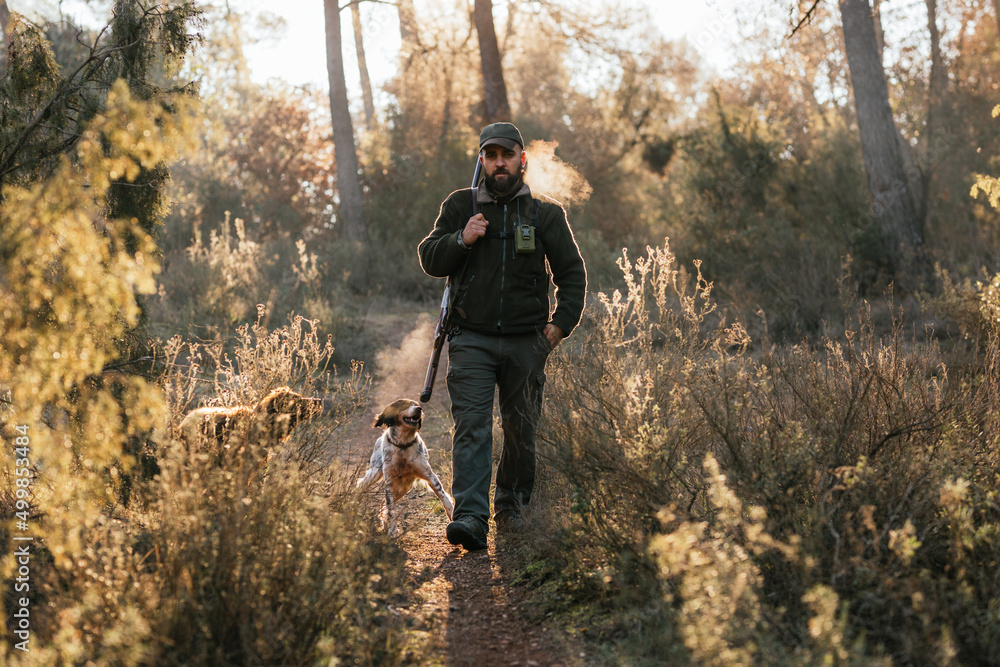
(299, 56)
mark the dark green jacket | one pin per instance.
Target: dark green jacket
(496, 290)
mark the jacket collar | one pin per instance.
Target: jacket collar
(483, 195)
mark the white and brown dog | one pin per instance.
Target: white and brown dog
(267, 423)
(400, 458)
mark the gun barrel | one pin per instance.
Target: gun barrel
(439, 336)
(440, 332)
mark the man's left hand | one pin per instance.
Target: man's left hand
(554, 334)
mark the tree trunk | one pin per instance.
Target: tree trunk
(408, 33)
(937, 95)
(996, 15)
(937, 87)
(366, 83)
(5, 18)
(879, 32)
(509, 29)
(352, 215)
(893, 211)
(497, 107)
(5, 28)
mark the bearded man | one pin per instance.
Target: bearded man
(501, 261)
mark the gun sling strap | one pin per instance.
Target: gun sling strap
(509, 235)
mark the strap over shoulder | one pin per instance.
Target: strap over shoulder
(536, 222)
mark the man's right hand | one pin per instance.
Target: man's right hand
(475, 229)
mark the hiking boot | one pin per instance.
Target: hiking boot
(507, 520)
(468, 532)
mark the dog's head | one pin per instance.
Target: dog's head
(405, 415)
(283, 401)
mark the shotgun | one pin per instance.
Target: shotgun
(443, 327)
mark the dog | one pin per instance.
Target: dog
(268, 423)
(400, 458)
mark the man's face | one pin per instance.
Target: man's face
(503, 168)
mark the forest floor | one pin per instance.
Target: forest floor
(463, 607)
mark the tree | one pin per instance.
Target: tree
(408, 31)
(937, 89)
(996, 13)
(352, 213)
(4, 19)
(50, 95)
(69, 276)
(494, 88)
(894, 214)
(366, 83)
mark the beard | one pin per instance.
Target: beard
(509, 185)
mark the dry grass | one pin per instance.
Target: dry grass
(783, 505)
(222, 565)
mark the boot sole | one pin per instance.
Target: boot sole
(458, 533)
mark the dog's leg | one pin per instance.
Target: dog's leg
(443, 496)
(425, 473)
(372, 476)
(390, 511)
(374, 468)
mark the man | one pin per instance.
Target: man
(500, 261)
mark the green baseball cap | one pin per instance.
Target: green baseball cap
(504, 134)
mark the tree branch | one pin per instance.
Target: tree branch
(805, 19)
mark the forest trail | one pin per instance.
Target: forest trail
(462, 608)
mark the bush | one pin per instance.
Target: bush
(234, 563)
(206, 564)
(850, 500)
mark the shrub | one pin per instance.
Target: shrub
(854, 507)
(219, 283)
(206, 564)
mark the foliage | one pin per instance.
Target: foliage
(717, 497)
(210, 287)
(988, 185)
(207, 564)
(266, 158)
(271, 570)
(874, 462)
(194, 561)
(46, 105)
(68, 291)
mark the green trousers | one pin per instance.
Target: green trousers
(478, 365)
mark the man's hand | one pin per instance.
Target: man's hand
(554, 334)
(475, 229)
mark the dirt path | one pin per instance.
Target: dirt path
(463, 609)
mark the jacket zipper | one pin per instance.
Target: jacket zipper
(503, 268)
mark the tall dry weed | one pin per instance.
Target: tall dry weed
(273, 565)
(866, 454)
(241, 563)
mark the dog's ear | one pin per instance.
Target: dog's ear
(381, 421)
